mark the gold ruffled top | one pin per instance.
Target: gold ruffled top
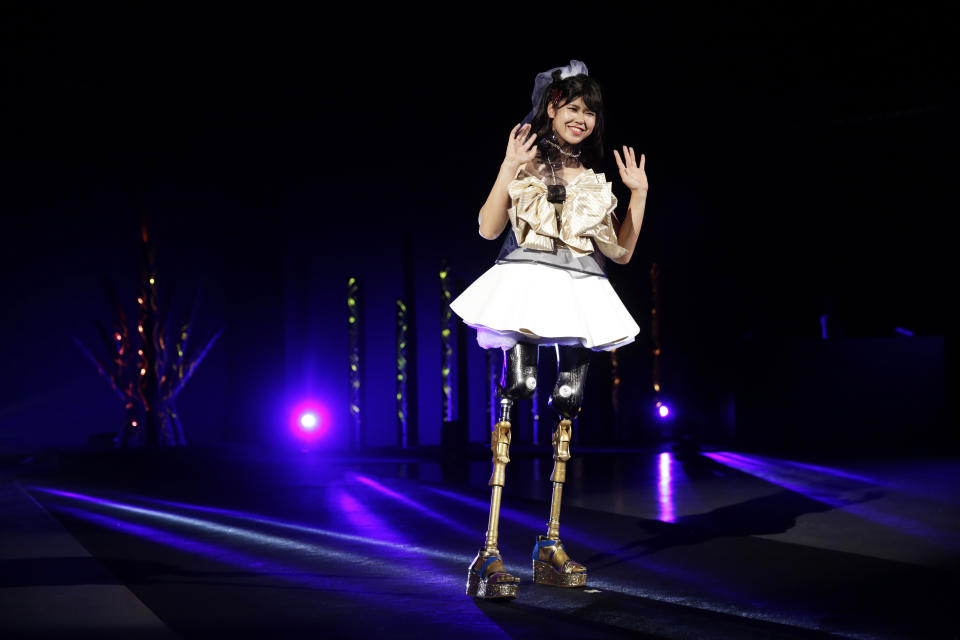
(586, 217)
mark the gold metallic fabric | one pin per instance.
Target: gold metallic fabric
(586, 218)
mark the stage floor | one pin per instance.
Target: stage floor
(252, 544)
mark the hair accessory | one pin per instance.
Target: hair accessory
(545, 79)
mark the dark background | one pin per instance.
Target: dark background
(798, 162)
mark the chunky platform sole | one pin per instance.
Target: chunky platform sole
(544, 573)
(480, 588)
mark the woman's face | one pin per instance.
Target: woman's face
(573, 121)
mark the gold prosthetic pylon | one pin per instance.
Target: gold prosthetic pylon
(551, 564)
(487, 577)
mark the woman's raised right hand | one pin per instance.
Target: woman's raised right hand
(521, 148)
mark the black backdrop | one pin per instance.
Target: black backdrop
(797, 162)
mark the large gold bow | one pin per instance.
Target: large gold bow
(587, 215)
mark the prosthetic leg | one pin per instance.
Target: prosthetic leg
(551, 564)
(487, 577)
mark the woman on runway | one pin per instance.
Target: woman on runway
(548, 287)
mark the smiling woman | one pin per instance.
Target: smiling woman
(549, 287)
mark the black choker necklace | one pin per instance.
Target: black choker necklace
(557, 154)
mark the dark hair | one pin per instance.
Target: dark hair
(571, 88)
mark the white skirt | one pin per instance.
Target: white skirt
(529, 302)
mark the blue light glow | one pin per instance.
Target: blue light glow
(519, 517)
(410, 502)
(209, 526)
(309, 421)
(372, 546)
(665, 488)
(663, 411)
(250, 535)
(837, 488)
(220, 550)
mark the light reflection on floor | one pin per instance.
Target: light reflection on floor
(640, 524)
(665, 487)
(851, 493)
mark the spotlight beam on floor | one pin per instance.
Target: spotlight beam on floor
(410, 502)
(519, 517)
(312, 530)
(256, 537)
(394, 596)
(845, 491)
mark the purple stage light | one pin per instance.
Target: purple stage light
(663, 411)
(308, 421)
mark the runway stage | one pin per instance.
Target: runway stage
(237, 543)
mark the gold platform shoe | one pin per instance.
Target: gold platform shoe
(488, 579)
(552, 565)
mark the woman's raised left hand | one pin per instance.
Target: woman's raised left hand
(632, 174)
